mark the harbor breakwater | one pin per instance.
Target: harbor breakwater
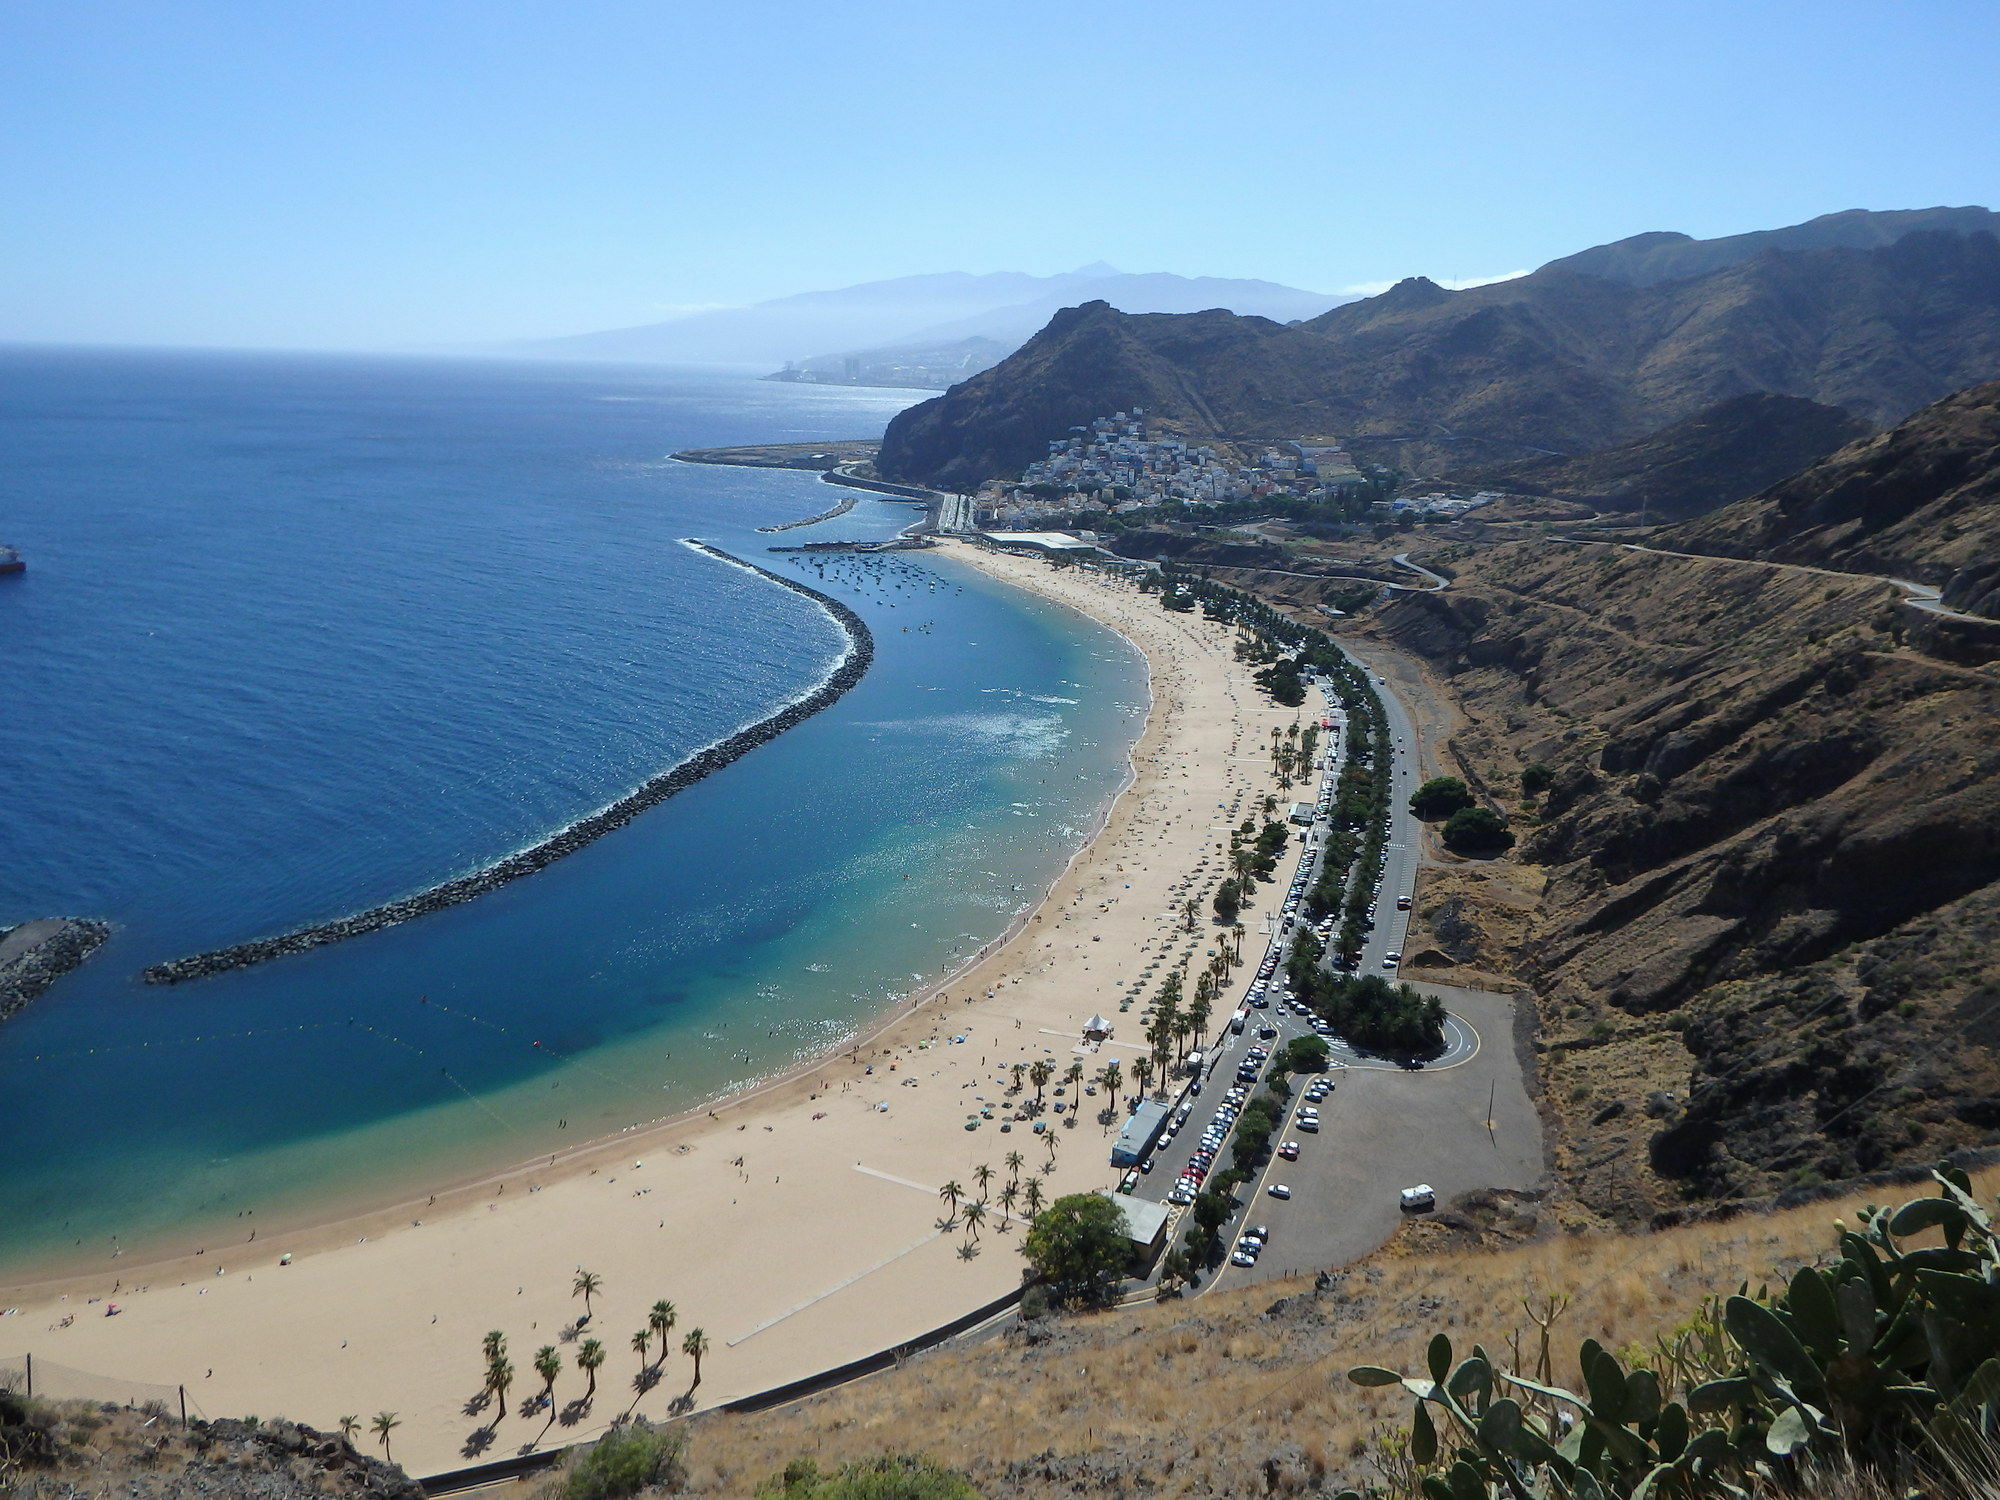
(849, 670)
(36, 954)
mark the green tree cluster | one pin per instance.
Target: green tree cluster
(632, 1457)
(1440, 797)
(1080, 1245)
(1477, 830)
(1376, 1016)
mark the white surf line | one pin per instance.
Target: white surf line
(838, 1286)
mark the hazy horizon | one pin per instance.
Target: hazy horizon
(435, 177)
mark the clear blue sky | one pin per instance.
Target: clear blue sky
(370, 173)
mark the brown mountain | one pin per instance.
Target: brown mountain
(1667, 256)
(1720, 454)
(1921, 502)
(1558, 361)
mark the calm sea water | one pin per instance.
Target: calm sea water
(302, 634)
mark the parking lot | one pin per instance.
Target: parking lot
(1461, 1122)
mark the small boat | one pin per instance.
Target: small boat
(11, 561)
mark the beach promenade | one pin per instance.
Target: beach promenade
(799, 1227)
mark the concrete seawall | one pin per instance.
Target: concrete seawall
(860, 653)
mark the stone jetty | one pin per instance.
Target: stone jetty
(36, 954)
(860, 653)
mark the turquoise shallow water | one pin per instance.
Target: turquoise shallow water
(301, 635)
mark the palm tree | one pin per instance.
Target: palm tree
(589, 1355)
(493, 1346)
(385, 1423)
(587, 1285)
(1017, 1070)
(548, 1365)
(983, 1175)
(1010, 1192)
(1074, 1078)
(1015, 1162)
(951, 1192)
(641, 1342)
(975, 1215)
(661, 1320)
(500, 1378)
(1051, 1140)
(1114, 1080)
(349, 1426)
(1031, 1196)
(694, 1346)
(1142, 1070)
(1039, 1075)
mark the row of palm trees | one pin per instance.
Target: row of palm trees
(1029, 1194)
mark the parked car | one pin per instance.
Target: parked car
(1289, 1151)
(1278, 1190)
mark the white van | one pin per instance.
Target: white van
(1236, 1022)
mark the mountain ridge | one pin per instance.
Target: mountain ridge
(1559, 360)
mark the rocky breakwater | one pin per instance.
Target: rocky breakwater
(36, 954)
(855, 662)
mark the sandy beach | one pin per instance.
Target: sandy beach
(797, 1226)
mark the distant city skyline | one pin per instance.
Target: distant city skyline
(376, 175)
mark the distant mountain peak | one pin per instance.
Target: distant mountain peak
(1413, 291)
(1097, 268)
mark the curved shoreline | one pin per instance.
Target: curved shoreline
(852, 665)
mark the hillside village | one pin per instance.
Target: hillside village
(1120, 464)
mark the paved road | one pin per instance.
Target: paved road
(1462, 1122)
(1922, 595)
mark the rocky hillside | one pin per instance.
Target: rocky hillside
(1919, 502)
(1765, 950)
(1721, 454)
(76, 1450)
(1556, 362)
(1239, 1392)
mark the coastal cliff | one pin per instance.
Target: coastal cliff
(36, 954)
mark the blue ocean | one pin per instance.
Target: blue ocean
(303, 634)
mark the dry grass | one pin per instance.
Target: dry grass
(1195, 1396)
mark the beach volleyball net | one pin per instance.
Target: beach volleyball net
(29, 1375)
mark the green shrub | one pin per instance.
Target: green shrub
(893, 1476)
(1886, 1357)
(631, 1457)
(1440, 797)
(1477, 830)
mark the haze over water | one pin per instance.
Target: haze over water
(303, 634)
